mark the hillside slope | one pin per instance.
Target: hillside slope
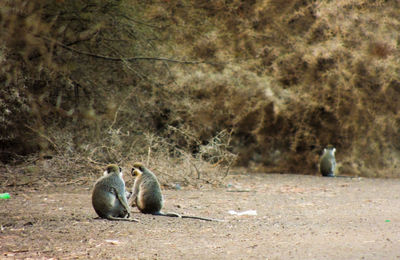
(267, 84)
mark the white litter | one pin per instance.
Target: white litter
(244, 213)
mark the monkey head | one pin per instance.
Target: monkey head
(139, 166)
(111, 168)
(330, 149)
(136, 172)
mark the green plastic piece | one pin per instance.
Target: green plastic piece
(387, 220)
(4, 195)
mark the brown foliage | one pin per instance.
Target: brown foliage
(287, 78)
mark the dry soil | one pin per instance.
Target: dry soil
(298, 217)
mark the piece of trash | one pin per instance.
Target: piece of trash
(4, 195)
(113, 242)
(387, 220)
(244, 213)
(178, 186)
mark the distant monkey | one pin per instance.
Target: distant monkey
(108, 197)
(327, 163)
(147, 196)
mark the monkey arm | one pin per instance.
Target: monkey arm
(123, 201)
(135, 192)
(133, 201)
(333, 163)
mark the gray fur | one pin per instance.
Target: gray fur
(328, 162)
(108, 196)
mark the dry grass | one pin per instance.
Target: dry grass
(282, 80)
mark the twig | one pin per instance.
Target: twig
(140, 22)
(228, 168)
(45, 137)
(130, 58)
(197, 170)
(148, 155)
(189, 135)
(94, 162)
(118, 109)
(20, 251)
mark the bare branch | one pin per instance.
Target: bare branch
(130, 58)
(143, 23)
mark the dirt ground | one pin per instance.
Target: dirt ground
(298, 217)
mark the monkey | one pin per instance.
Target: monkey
(108, 196)
(147, 196)
(327, 163)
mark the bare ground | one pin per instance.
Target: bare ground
(298, 217)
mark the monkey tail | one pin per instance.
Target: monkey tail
(167, 214)
(201, 218)
(173, 214)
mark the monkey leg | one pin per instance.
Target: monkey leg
(123, 202)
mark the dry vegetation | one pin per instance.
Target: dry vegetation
(262, 84)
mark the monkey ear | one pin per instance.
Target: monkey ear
(324, 150)
(334, 150)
